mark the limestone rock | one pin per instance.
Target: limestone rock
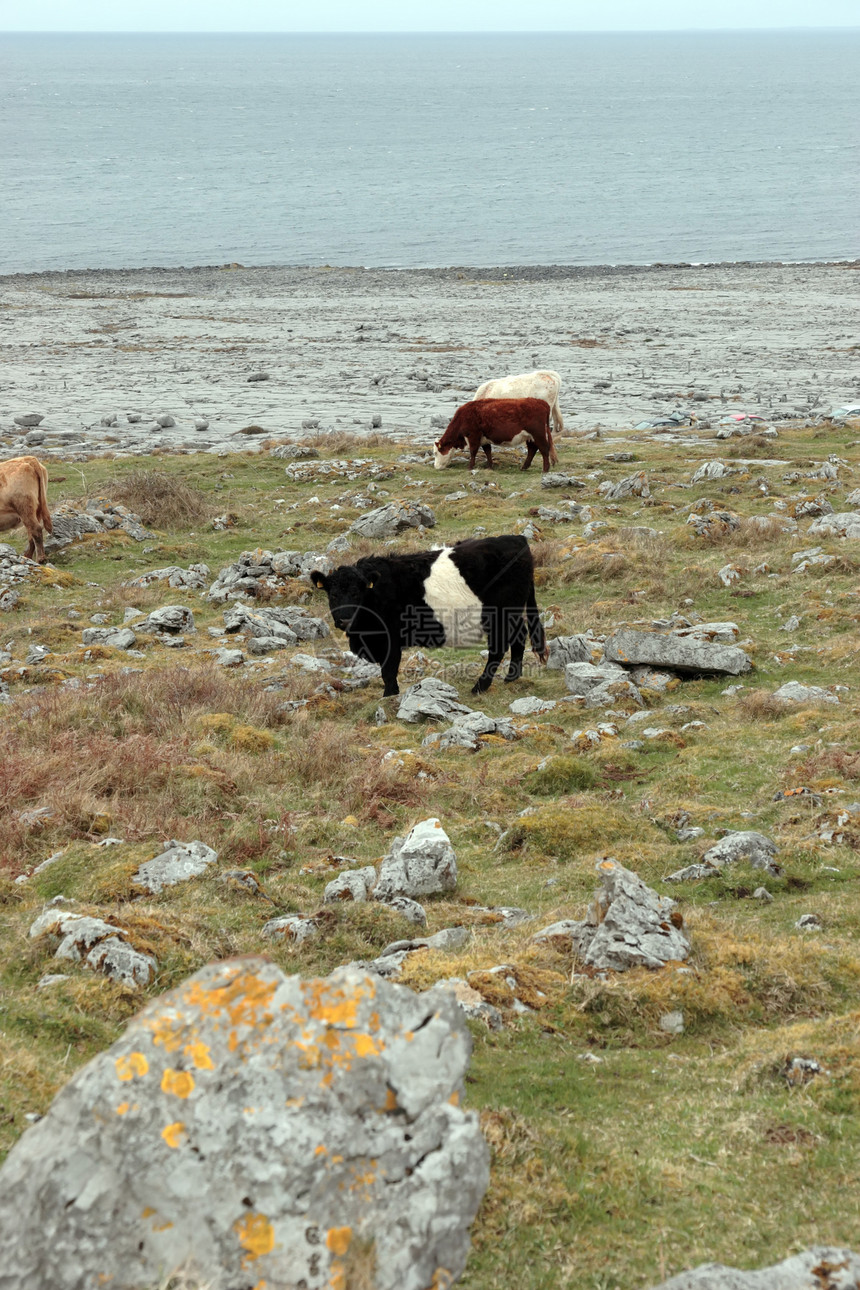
(635, 485)
(555, 479)
(843, 524)
(824, 1267)
(289, 622)
(195, 577)
(531, 707)
(430, 698)
(92, 941)
(112, 637)
(177, 863)
(467, 729)
(255, 1128)
(679, 654)
(291, 927)
(421, 864)
(568, 649)
(756, 849)
(629, 925)
(393, 518)
(794, 692)
(601, 685)
(410, 909)
(473, 1004)
(169, 618)
(356, 884)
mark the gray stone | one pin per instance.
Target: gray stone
(165, 420)
(430, 698)
(568, 649)
(97, 944)
(467, 729)
(291, 927)
(629, 925)
(844, 524)
(555, 479)
(558, 935)
(824, 1267)
(266, 644)
(177, 863)
(169, 618)
(678, 653)
(355, 885)
(794, 692)
(421, 864)
(393, 518)
(228, 657)
(195, 577)
(112, 637)
(531, 707)
(757, 850)
(28, 419)
(672, 1023)
(410, 909)
(449, 939)
(635, 485)
(251, 1127)
(601, 685)
(709, 470)
(809, 923)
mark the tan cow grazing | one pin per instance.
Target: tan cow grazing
(504, 422)
(24, 500)
(527, 385)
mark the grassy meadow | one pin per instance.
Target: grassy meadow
(621, 1153)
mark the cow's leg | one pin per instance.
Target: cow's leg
(473, 455)
(30, 519)
(544, 452)
(517, 640)
(390, 668)
(531, 449)
(488, 453)
(494, 625)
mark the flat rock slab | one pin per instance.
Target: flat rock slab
(629, 925)
(256, 1129)
(430, 698)
(824, 1267)
(177, 863)
(795, 692)
(678, 653)
(421, 864)
(756, 849)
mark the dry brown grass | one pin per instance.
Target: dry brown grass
(161, 500)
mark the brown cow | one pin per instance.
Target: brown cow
(24, 500)
(506, 422)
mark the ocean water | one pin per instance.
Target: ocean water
(121, 151)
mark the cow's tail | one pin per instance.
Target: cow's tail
(537, 635)
(42, 509)
(553, 455)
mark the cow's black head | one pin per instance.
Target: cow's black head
(348, 589)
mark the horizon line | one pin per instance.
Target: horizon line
(387, 31)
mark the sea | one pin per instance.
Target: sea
(126, 151)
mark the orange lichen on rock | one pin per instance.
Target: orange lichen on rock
(179, 1083)
(199, 1054)
(122, 1108)
(256, 1236)
(131, 1064)
(172, 1134)
(338, 1239)
(334, 1005)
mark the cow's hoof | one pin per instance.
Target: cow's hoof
(513, 676)
(390, 694)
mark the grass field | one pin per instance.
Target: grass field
(621, 1153)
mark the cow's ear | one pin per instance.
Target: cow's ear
(319, 580)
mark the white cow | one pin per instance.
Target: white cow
(528, 385)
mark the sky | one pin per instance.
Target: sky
(422, 15)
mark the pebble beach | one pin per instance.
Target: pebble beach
(224, 359)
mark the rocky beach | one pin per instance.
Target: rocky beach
(222, 358)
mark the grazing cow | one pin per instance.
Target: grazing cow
(24, 500)
(453, 595)
(505, 422)
(527, 385)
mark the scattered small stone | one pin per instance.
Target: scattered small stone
(762, 894)
(99, 945)
(430, 698)
(794, 692)
(672, 1023)
(824, 1267)
(393, 518)
(355, 885)
(809, 923)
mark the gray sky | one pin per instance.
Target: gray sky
(421, 15)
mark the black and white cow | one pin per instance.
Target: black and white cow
(453, 595)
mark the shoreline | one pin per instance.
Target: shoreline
(520, 271)
(267, 352)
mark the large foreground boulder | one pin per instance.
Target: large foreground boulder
(821, 1268)
(256, 1129)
